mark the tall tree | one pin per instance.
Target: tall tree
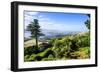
(34, 28)
(87, 23)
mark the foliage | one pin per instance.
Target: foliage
(87, 22)
(68, 47)
(63, 47)
(34, 28)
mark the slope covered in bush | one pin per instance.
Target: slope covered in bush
(64, 48)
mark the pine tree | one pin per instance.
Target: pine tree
(34, 28)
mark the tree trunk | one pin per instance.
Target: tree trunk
(36, 41)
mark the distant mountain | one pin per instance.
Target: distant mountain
(51, 33)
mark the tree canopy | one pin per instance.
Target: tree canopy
(87, 23)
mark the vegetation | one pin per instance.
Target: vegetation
(75, 46)
(68, 47)
(87, 23)
(34, 28)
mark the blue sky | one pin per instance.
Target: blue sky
(57, 21)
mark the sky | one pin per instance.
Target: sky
(57, 21)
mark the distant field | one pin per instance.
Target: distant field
(30, 43)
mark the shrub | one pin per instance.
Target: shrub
(26, 58)
(29, 58)
(38, 58)
(49, 58)
(68, 47)
(30, 50)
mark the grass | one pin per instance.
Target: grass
(30, 43)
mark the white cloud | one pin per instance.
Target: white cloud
(44, 19)
(40, 16)
(30, 13)
(47, 23)
(29, 16)
(61, 27)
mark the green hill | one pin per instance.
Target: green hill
(65, 48)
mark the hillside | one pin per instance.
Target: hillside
(30, 42)
(64, 48)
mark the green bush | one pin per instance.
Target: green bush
(49, 58)
(29, 57)
(31, 50)
(26, 58)
(68, 47)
